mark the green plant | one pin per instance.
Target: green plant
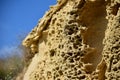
(11, 66)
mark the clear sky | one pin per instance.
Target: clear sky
(17, 18)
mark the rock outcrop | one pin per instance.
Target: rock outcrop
(76, 40)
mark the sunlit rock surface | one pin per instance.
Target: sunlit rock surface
(76, 40)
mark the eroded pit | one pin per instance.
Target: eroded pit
(93, 17)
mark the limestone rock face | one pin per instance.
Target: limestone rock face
(76, 40)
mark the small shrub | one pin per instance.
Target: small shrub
(11, 66)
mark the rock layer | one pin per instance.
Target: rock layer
(76, 40)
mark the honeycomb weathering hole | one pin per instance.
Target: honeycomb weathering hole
(115, 9)
(93, 16)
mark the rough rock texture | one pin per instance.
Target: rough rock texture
(76, 40)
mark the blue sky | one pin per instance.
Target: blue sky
(17, 18)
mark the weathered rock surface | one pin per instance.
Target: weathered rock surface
(76, 40)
